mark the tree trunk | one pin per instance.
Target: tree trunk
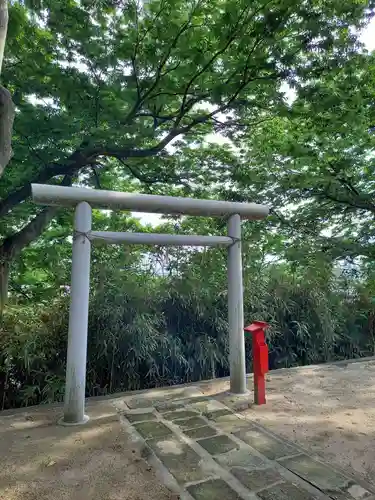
(7, 109)
(3, 28)
(7, 112)
(4, 279)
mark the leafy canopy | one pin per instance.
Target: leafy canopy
(315, 162)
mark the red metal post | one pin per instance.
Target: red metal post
(260, 359)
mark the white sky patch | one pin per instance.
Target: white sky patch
(368, 36)
(148, 218)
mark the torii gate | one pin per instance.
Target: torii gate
(83, 199)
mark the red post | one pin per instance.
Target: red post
(260, 359)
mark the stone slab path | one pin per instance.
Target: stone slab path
(205, 449)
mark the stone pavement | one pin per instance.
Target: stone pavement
(205, 449)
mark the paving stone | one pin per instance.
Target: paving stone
(217, 444)
(241, 458)
(351, 491)
(231, 423)
(265, 444)
(256, 479)
(191, 423)
(196, 399)
(285, 491)
(356, 491)
(135, 403)
(237, 403)
(180, 414)
(212, 490)
(201, 432)
(140, 417)
(320, 475)
(342, 495)
(207, 406)
(180, 459)
(151, 429)
(192, 403)
(338, 495)
(214, 415)
(169, 406)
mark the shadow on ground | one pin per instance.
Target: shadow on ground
(43, 461)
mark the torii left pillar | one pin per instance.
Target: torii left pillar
(74, 408)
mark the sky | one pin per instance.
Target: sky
(367, 37)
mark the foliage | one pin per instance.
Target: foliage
(107, 97)
(315, 164)
(148, 329)
(103, 88)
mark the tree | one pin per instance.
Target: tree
(6, 104)
(315, 163)
(102, 90)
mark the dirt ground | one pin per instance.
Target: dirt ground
(328, 409)
(97, 461)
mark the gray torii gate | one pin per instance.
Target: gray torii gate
(83, 199)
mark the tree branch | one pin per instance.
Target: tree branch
(13, 245)
(135, 173)
(158, 74)
(358, 203)
(212, 59)
(74, 162)
(85, 154)
(345, 182)
(96, 176)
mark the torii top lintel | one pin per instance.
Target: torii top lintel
(44, 194)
